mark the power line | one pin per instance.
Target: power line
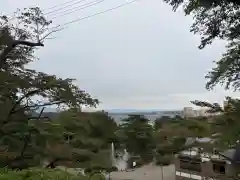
(84, 6)
(67, 2)
(61, 26)
(96, 14)
(50, 12)
(53, 7)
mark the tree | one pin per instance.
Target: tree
(217, 19)
(159, 122)
(226, 122)
(87, 143)
(20, 38)
(222, 129)
(23, 91)
(138, 137)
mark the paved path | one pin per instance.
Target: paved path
(149, 172)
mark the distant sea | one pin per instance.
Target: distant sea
(119, 117)
(119, 114)
(150, 115)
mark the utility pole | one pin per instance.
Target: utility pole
(162, 172)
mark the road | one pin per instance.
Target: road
(149, 172)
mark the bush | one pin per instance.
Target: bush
(114, 169)
(163, 160)
(111, 169)
(38, 174)
(95, 172)
(96, 176)
(147, 157)
(163, 149)
(87, 170)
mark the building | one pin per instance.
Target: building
(188, 112)
(225, 104)
(196, 164)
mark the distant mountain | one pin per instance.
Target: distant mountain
(125, 111)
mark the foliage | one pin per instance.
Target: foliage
(217, 19)
(23, 92)
(86, 137)
(159, 122)
(138, 137)
(222, 128)
(96, 176)
(171, 136)
(38, 174)
(163, 160)
(226, 122)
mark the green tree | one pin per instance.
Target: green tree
(227, 122)
(87, 139)
(217, 19)
(222, 128)
(160, 121)
(138, 137)
(23, 92)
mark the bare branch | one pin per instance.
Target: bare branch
(51, 32)
(12, 110)
(43, 105)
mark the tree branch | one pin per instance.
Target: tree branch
(12, 110)
(53, 31)
(43, 105)
(12, 45)
(27, 138)
(30, 93)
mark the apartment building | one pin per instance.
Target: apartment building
(189, 112)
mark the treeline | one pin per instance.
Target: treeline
(76, 139)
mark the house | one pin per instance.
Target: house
(196, 164)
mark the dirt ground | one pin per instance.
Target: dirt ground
(149, 172)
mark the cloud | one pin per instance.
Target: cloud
(139, 56)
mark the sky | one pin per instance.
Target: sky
(140, 56)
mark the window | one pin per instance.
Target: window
(190, 163)
(219, 166)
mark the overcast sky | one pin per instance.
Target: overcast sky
(139, 56)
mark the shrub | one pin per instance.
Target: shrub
(38, 174)
(163, 160)
(96, 176)
(114, 169)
